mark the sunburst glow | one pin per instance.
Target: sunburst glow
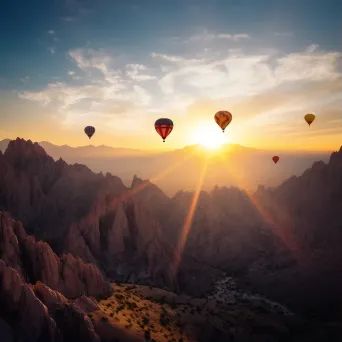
(210, 136)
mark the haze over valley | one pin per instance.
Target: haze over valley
(174, 170)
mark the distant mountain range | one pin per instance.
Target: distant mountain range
(232, 165)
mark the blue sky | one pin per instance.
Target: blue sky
(59, 57)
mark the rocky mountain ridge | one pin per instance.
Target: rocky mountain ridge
(131, 234)
(32, 282)
(92, 216)
(172, 170)
(35, 261)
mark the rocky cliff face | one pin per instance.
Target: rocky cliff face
(35, 261)
(277, 241)
(221, 232)
(47, 196)
(39, 312)
(89, 215)
(19, 305)
(306, 212)
(72, 321)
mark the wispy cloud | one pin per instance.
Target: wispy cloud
(135, 72)
(240, 74)
(25, 79)
(282, 34)
(207, 36)
(100, 96)
(52, 34)
(87, 59)
(68, 19)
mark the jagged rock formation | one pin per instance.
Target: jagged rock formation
(284, 239)
(37, 312)
(277, 241)
(35, 261)
(73, 322)
(92, 216)
(20, 308)
(306, 212)
(87, 304)
(226, 233)
(47, 196)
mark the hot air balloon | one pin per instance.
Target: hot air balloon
(275, 159)
(163, 127)
(89, 130)
(310, 118)
(223, 118)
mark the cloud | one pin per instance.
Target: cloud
(97, 60)
(239, 74)
(261, 89)
(133, 71)
(52, 50)
(96, 96)
(52, 32)
(206, 36)
(25, 79)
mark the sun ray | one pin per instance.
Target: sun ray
(280, 229)
(131, 192)
(188, 221)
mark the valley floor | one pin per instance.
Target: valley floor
(138, 313)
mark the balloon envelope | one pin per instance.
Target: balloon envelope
(223, 118)
(89, 130)
(275, 159)
(310, 118)
(163, 127)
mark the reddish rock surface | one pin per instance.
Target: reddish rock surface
(35, 261)
(288, 235)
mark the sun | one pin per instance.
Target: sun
(209, 136)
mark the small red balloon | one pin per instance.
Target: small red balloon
(275, 159)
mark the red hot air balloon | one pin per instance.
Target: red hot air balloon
(275, 159)
(163, 127)
(89, 130)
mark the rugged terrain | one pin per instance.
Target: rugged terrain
(277, 242)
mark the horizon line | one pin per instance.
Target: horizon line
(178, 148)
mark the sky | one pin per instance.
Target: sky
(120, 65)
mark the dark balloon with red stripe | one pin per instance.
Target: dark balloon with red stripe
(89, 130)
(163, 127)
(275, 159)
